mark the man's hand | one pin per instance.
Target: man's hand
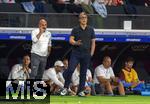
(49, 50)
(42, 30)
(25, 69)
(78, 43)
(115, 79)
(134, 84)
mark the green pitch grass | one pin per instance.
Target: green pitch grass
(132, 99)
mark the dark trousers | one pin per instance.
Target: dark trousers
(38, 64)
(99, 89)
(77, 57)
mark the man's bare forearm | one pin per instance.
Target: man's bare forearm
(93, 47)
(103, 80)
(38, 35)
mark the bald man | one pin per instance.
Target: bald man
(41, 47)
(105, 77)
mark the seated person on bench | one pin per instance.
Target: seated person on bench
(129, 76)
(105, 78)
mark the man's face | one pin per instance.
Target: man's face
(26, 60)
(78, 67)
(65, 62)
(59, 68)
(43, 24)
(83, 19)
(107, 62)
(129, 64)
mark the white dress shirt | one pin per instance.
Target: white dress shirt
(54, 77)
(102, 71)
(40, 46)
(18, 73)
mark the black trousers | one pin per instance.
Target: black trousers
(75, 59)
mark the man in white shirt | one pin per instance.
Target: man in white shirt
(104, 77)
(20, 72)
(53, 77)
(41, 47)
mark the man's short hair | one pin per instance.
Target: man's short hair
(106, 57)
(26, 54)
(129, 59)
(83, 13)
